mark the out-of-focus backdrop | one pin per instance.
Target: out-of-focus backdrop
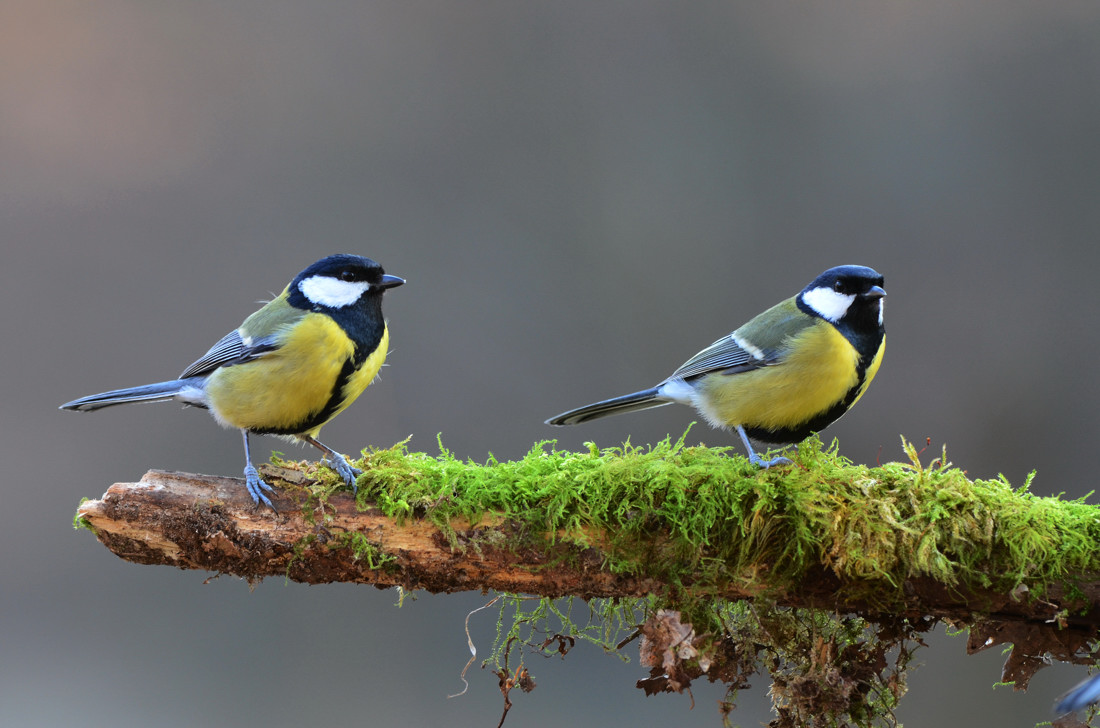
(581, 195)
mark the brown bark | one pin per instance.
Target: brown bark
(209, 523)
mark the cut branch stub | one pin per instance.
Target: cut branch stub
(209, 523)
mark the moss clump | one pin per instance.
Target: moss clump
(79, 521)
(827, 669)
(363, 550)
(702, 518)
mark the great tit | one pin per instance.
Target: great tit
(291, 366)
(791, 371)
(1082, 696)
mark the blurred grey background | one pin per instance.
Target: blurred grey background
(581, 195)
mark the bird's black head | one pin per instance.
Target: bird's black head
(339, 281)
(851, 293)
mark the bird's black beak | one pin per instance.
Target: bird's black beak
(389, 281)
(875, 292)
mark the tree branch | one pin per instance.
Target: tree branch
(209, 523)
(900, 543)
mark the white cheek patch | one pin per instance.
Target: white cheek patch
(881, 309)
(828, 304)
(330, 292)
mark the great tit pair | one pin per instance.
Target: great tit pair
(304, 357)
(791, 371)
(291, 366)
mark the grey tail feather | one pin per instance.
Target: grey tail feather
(159, 392)
(645, 399)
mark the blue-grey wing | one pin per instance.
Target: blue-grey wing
(724, 355)
(231, 349)
(764, 342)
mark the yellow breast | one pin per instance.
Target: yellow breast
(817, 372)
(293, 384)
(360, 379)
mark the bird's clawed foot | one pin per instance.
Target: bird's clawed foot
(339, 463)
(256, 486)
(762, 463)
(756, 459)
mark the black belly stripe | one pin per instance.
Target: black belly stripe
(335, 399)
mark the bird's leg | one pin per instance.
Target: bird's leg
(336, 461)
(756, 459)
(256, 486)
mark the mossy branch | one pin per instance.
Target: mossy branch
(685, 525)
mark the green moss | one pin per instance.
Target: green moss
(704, 518)
(299, 553)
(78, 521)
(363, 550)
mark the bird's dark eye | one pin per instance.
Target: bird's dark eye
(347, 275)
(839, 287)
